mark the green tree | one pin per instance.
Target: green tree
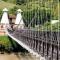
(13, 10)
(0, 14)
(20, 2)
(5, 0)
(35, 17)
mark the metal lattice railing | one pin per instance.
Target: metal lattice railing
(36, 40)
(43, 32)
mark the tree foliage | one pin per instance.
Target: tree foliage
(36, 17)
(13, 10)
(20, 2)
(0, 14)
(5, 0)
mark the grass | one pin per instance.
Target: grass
(10, 45)
(7, 41)
(4, 40)
(6, 5)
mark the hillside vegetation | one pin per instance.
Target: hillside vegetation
(41, 11)
(5, 4)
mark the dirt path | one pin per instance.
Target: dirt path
(8, 57)
(19, 56)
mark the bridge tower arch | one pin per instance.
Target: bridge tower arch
(4, 21)
(19, 19)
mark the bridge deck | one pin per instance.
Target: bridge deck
(45, 43)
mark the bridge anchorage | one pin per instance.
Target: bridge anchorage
(45, 44)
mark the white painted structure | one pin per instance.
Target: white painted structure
(54, 21)
(19, 20)
(5, 19)
(4, 22)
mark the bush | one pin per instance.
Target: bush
(5, 0)
(19, 2)
(0, 14)
(13, 10)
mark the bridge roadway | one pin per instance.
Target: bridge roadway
(46, 43)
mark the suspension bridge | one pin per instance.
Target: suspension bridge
(45, 44)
